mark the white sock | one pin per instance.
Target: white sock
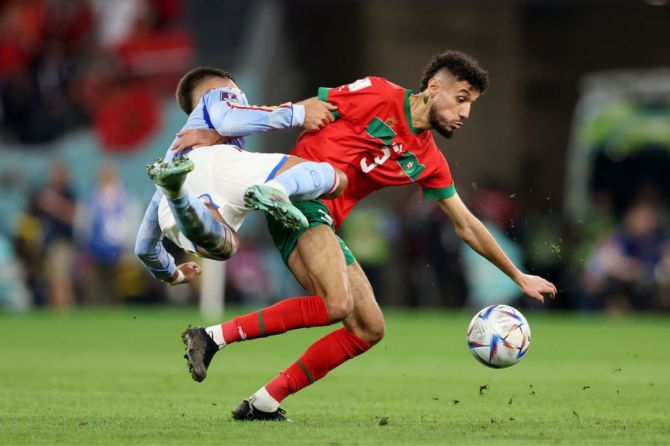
(276, 185)
(216, 333)
(263, 401)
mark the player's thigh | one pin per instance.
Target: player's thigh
(318, 263)
(342, 180)
(291, 161)
(366, 320)
(227, 172)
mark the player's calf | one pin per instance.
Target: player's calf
(212, 237)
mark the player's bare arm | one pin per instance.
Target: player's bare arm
(318, 113)
(474, 233)
(196, 138)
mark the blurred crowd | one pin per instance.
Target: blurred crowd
(78, 250)
(66, 64)
(616, 261)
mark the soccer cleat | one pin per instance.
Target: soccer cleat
(275, 203)
(247, 412)
(170, 175)
(200, 349)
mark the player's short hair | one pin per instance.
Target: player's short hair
(459, 65)
(190, 81)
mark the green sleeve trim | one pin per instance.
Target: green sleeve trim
(438, 194)
(323, 94)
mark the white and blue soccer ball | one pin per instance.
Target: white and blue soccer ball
(499, 336)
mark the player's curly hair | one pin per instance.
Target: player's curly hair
(190, 81)
(458, 64)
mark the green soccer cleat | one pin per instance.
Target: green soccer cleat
(170, 175)
(247, 412)
(275, 203)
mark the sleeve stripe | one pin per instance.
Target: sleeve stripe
(323, 94)
(264, 108)
(440, 193)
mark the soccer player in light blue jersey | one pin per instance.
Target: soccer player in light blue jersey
(202, 197)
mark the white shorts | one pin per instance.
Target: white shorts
(221, 175)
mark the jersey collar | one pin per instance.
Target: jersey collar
(408, 113)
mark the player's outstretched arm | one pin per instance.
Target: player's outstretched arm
(474, 233)
(234, 120)
(318, 113)
(148, 246)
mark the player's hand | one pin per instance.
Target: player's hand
(195, 138)
(318, 113)
(535, 287)
(184, 273)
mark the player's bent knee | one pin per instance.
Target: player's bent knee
(373, 328)
(339, 310)
(343, 182)
(375, 334)
(225, 251)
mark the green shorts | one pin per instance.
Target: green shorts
(317, 214)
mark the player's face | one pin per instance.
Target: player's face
(450, 105)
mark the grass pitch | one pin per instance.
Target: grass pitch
(116, 376)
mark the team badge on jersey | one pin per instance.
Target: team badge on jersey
(227, 96)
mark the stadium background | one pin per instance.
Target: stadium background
(87, 95)
(565, 158)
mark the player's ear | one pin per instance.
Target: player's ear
(433, 87)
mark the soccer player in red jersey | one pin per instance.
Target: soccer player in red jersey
(381, 139)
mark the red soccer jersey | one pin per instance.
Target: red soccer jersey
(374, 143)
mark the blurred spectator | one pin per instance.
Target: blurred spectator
(598, 221)
(42, 53)
(56, 205)
(13, 293)
(28, 243)
(621, 272)
(115, 21)
(662, 275)
(106, 230)
(63, 62)
(426, 261)
(369, 232)
(247, 280)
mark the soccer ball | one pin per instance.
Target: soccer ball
(498, 336)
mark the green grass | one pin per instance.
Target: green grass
(117, 377)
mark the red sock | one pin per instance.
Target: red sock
(297, 312)
(320, 358)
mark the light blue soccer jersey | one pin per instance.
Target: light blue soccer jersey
(228, 112)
